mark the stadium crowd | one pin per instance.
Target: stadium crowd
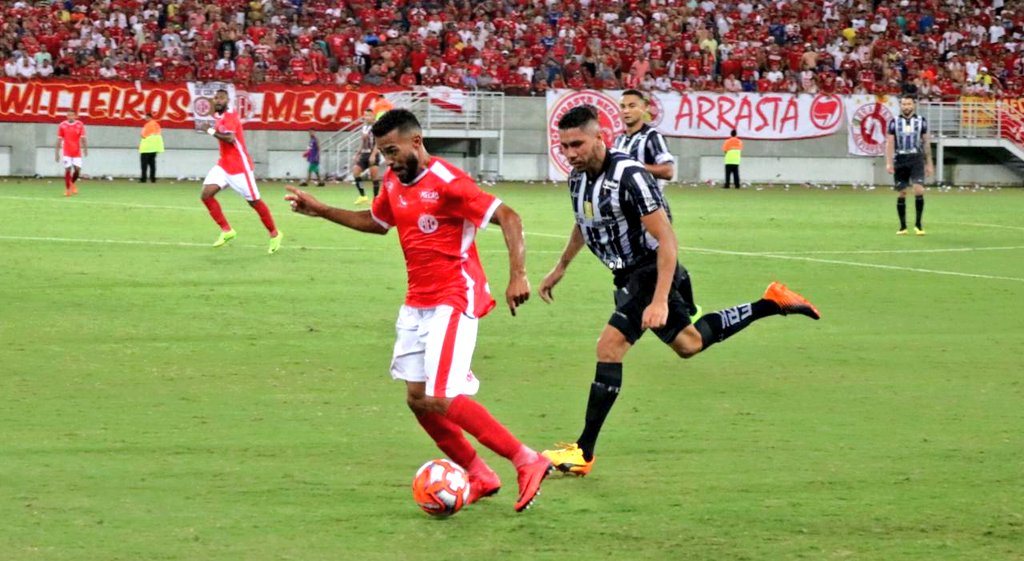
(946, 48)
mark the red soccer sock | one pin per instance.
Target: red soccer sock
(263, 210)
(448, 437)
(477, 421)
(216, 213)
(67, 179)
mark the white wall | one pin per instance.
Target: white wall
(5, 160)
(793, 170)
(27, 149)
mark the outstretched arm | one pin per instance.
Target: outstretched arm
(572, 247)
(518, 291)
(304, 203)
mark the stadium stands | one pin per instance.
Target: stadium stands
(946, 48)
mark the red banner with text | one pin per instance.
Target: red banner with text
(271, 107)
(706, 115)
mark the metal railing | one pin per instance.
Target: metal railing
(437, 110)
(994, 119)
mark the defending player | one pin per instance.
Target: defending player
(621, 217)
(367, 158)
(72, 147)
(437, 210)
(234, 170)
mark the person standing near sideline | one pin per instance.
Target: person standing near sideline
(908, 157)
(152, 143)
(312, 156)
(732, 148)
(71, 149)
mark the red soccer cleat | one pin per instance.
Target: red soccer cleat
(482, 485)
(531, 476)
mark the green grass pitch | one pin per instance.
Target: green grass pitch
(163, 400)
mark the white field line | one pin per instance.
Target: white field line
(75, 202)
(207, 245)
(780, 255)
(987, 225)
(696, 249)
(854, 264)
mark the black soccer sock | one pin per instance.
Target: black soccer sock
(715, 327)
(359, 187)
(919, 207)
(376, 188)
(603, 391)
(901, 209)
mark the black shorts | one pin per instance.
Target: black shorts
(363, 160)
(908, 171)
(634, 291)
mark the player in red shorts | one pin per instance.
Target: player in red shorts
(71, 148)
(438, 210)
(234, 170)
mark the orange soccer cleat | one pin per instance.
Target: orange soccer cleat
(790, 302)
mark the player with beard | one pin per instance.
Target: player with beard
(908, 156)
(437, 210)
(234, 170)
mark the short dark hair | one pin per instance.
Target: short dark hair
(732, 132)
(637, 93)
(223, 90)
(401, 119)
(578, 117)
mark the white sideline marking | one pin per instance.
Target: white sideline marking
(899, 251)
(195, 244)
(199, 205)
(855, 264)
(987, 225)
(793, 256)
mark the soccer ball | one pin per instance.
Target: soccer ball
(441, 487)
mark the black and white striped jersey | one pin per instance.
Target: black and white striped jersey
(608, 210)
(908, 132)
(368, 141)
(646, 146)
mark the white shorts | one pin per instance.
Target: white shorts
(435, 345)
(242, 183)
(68, 161)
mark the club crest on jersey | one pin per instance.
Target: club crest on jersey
(427, 224)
